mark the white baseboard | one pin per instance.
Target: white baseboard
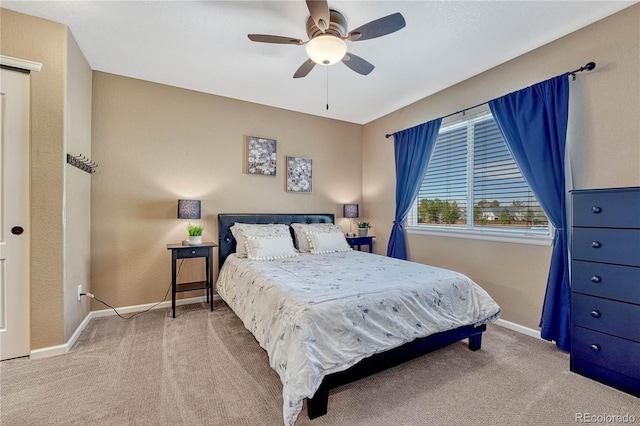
(62, 349)
(48, 352)
(519, 328)
(138, 308)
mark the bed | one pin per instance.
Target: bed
(335, 316)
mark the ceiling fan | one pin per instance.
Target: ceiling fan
(327, 31)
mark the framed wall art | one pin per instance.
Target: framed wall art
(261, 156)
(299, 175)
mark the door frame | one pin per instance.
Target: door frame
(19, 64)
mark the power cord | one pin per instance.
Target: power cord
(92, 296)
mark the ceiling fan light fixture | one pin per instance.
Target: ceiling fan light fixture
(326, 49)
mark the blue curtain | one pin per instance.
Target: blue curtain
(533, 122)
(413, 148)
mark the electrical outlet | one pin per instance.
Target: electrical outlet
(79, 292)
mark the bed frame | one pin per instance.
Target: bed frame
(317, 406)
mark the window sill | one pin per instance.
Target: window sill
(503, 237)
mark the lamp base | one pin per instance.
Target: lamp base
(350, 234)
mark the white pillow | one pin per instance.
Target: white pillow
(300, 231)
(241, 231)
(327, 242)
(269, 248)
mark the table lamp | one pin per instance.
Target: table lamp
(350, 211)
(189, 209)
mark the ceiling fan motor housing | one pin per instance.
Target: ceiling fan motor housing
(337, 26)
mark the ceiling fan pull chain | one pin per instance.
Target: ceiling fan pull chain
(327, 68)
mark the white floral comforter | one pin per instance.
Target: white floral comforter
(320, 314)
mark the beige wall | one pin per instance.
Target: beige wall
(38, 40)
(604, 145)
(156, 144)
(77, 188)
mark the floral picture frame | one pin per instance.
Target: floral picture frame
(261, 155)
(299, 175)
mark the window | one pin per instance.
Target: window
(473, 186)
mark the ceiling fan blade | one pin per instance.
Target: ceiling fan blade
(319, 10)
(357, 64)
(262, 38)
(378, 28)
(304, 69)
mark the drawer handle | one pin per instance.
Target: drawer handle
(595, 279)
(193, 252)
(596, 244)
(595, 314)
(595, 347)
(596, 209)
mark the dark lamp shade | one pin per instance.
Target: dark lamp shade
(188, 209)
(350, 211)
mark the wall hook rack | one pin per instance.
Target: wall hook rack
(82, 162)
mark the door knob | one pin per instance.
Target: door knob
(17, 230)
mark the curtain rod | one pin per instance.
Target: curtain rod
(588, 67)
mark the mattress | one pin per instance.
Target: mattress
(320, 314)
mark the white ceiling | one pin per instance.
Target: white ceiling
(203, 46)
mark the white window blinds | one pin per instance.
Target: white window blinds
(473, 182)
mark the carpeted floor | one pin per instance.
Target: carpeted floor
(204, 368)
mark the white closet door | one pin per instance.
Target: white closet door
(14, 214)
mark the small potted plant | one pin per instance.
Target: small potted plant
(363, 228)
(195, 234)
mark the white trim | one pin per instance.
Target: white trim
(138, 308)
(62, 349)
(519, 328)
(502, 237)
(48, 352)
(76, 334)
(20, 63)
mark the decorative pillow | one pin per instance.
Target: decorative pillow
(241, 231)
(327, 242)
(270, 248)
(300, 231)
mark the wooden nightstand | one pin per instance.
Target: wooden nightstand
(178, 251)
(361, 241)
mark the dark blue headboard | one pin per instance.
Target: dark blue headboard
(226, 242)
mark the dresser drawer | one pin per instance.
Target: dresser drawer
(619, 246)
(187, 252)
(612, 353)
(608, 208)
(604, 280)
(611, 317)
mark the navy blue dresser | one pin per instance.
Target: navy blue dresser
(605, 285)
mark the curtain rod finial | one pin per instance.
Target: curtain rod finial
(387, 136)
(588, 67)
